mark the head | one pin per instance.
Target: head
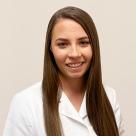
(88, 27)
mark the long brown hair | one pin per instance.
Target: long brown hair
(98, 107)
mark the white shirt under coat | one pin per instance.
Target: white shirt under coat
(25, 117)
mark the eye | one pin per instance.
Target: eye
(62, 45)
(84, 43)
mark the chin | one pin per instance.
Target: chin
(76, 76)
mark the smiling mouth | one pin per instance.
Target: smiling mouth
(75, 65)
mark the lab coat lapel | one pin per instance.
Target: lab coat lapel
(82, 111)
(67, 109)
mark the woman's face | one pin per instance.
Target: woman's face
(71, 49)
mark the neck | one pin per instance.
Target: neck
(72, 86)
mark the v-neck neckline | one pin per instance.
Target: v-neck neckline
(82, 111)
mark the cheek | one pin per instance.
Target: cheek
(88, 54)
(58, 56)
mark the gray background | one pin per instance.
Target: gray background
(22, 32)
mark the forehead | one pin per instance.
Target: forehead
(68, 28)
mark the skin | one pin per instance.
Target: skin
(72, 52)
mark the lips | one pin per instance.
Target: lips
(75, 65)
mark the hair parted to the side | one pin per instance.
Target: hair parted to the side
(98, 107)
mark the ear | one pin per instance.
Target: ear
(50, 48)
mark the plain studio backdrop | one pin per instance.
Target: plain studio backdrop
(23, 26)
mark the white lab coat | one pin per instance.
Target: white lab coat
(25, 117)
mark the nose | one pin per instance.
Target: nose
(74, 51)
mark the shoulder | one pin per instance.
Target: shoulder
(22, 110)
(33, 92)
(26, 100)
(111, 94)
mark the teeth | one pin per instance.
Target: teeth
(75, 65)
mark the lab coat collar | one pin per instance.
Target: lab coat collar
(67, 109)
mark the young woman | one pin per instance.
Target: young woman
(71, 100)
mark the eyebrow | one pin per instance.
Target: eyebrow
(83, 38)
(64, 39)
